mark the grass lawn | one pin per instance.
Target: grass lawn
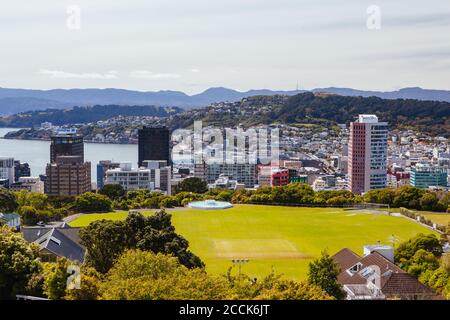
(282, 238)
(439, 218)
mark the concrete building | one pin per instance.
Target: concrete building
(243, 173)
(102, 167)
(32, 184)
(21, 170)
(367, 161)
(425, 176)
(68, 176)
(7, 170)
(155, 176)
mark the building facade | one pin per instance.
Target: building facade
(7, 170)
(243, 173)
(102, 167)
(153, 144)
(32, 184)
(155, 176)
(21, 170)
(367, 160)
(66, 144)
(68, 176)
(425, 176)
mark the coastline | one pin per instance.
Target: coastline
(85, 141)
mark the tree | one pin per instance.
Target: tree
(143, 275)
(29, 215)
(105, 241)
(18, 263)
(89, 286)
(55, 283)
(92, 202)
(39, 201)
(421, 262)
(8, 201)
(406, 250)
(323, 273)
(429, 201)
(113, 191)
(194, 185)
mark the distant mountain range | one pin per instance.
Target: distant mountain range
(18, 100)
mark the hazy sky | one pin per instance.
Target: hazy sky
(191, 45)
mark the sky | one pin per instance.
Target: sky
(191, 45)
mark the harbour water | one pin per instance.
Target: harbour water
(37, 153)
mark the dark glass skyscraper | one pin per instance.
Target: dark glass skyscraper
(154, 144)
(66, 145)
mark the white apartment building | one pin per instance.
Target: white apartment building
(155, 176)
(33, 184)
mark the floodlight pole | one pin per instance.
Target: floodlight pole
(239, 263)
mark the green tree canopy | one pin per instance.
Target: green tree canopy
(194, 184)
(92, 202)
(323, 273)
(8, 201)
(18, 263)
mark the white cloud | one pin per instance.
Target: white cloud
(194, 70)
(145, 74)
(70, 75)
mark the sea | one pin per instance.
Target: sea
(37, 153)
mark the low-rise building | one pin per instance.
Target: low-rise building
(374, 276)
(425, 176)
(155, 176)
(32, 184)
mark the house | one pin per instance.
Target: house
(374, 276)
(56, 242)
(11, 219)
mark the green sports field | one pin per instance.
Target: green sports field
(282, 238)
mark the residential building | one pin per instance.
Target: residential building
(56, 242)
(32, 184)
(244, 173)
(21, 170)
(367, 160)
(68, 176)
(153, 144)
(425, 176)
(7, 170)
(66, 144)
(374, 276)
(155, 176)
(279, 177)
(102, 167)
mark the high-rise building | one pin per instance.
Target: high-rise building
(367, 159)
(6, 171)
(66, 144)
(21, 170)
(154, 144)
(424, 176)
(68, 176)
(102, 167)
